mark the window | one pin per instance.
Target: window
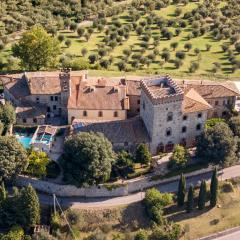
(169, 116)
(125, 144)
(184, 129)
(24, 120)
(35, 120)
(168, 132)
(138, 110)
(54, 107)
(51, 98)
(138, 101)
(216, 103)
(56, 98)
(183, 142)
(100, 114)
(85, 113)
(185, 117)
(199, 127)
(224, 102)
(37, 99)
(48, 109)
(199, 115)
(115, 114)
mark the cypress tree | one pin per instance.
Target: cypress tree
(181, 191)
(30, 206)
(202, 195)
(190, 198)
(214, 189)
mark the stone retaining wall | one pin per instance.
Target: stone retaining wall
(131, 186)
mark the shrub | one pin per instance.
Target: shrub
(179, 157)
(227, 187)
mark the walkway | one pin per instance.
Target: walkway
(77, 202)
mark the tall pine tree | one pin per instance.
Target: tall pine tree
(202, 195)
(190, 200)
(30, 206)
(181, 191)
(214, 189)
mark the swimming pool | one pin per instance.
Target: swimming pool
(24, 140)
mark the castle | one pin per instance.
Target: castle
(158, 111)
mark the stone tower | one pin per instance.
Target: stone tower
(161, 111)
(65, 82)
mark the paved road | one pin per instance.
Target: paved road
(231, 236)
(77, 202)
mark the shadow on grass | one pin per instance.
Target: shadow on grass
(179, 213)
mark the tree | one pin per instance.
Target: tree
(121, 66)
(37, 166)
(84, 52)
(143, 155)
(214, 189)
(80, 32)
(181, 191)
(190, 200)
(188, 46)
(3, 193)
(30, 207)
(196, 51)
(68, 42)
(93, 58)
(104, 63)
(212, 122)
(202, 195)
(13, 157)
(88, 159)
(234, 124)
(166, 56)
(216, 144)
(179, 157)
(73, 26)
(178, 63)
(7, 114)
(174, 45)
(154, 203)
(208, 47)
(61, 38)
(36, 49)
(180, 55)
(193, 67)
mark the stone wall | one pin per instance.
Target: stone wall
(129, 187)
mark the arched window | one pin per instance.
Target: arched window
(160, 148)
(85, 113)
(169, 116)
(168, 132)
(169, 147)
(185, 117)
(100, 113)
(183, 142)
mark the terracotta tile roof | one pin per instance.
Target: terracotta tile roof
(208, 91)
(16, 86)
(31, 111)
(131, 130)
(133, 87)
(86, 95)
(47, 129)
(193, 102)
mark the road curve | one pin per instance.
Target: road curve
(80, 202)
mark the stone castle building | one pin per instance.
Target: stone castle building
(157, 111)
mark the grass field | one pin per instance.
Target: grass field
(205, 59)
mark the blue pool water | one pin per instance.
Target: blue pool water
(24, 140)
